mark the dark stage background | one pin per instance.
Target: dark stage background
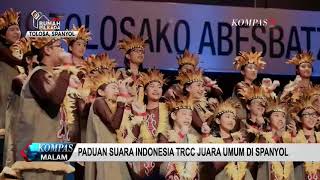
(227, 81)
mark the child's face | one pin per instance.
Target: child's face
(277, 120)
(196, 89)
(256, 107)
(112, 91)
(182, 117)
(305, 70)
(227, 121)
(309, 118)
(250, 72)
(136, 55)
(13, 34)
(78, 48)
(154, 91)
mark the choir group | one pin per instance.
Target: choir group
(48, 94)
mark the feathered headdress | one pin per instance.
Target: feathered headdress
(40, 42)
(292, 92)
(99, 63)
(304, 102)
(151, 76)
(250, 93)
(94, 81)
(188, 58)
(314, 94)
(304, 57)
(229, 105)
(182, 102)
(8, 18)
(83, 34)
(274, 105)
(130, 43)
(21, 47)
(245, 58)
(314, 91)
(190, 76)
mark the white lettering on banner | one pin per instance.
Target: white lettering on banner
(195, 152)
(216, 33)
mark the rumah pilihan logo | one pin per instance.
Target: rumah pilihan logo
(265, 22)
(48, 28)
(41, 22)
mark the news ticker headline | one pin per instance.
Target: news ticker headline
(171, 152)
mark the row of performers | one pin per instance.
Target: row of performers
(65, 98)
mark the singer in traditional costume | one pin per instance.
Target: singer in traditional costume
(76, 104)
(280, 132)
(314, 94)
(255, 99)
(225, 121)
(105, 117)
(249, 64)
(21, 50)
(186, 62)
(9, 34)
(78, 46)
(133, 48)
(189, 62)
(74, 108)
(193, 87)
(306, 117)
(155, 122)
(41, 97)
(181, 116)
(302, 83)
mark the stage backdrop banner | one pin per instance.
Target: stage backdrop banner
(216, 33)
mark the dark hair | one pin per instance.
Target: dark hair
(268, 114)
(184, 90)
(299, 123)
(249, 101)
(145, 97)
(3, 31)
(24, 62)
(69, 51)
(180, 66)
(242, 67)
(215, 128)
(101, 87)
(71, 43)
(38, 52)
(3, 39)
(171, 121)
